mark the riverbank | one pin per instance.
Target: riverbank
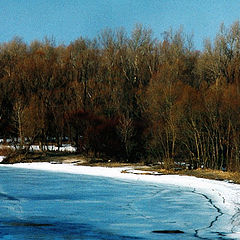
(224, 196)
(71, 157)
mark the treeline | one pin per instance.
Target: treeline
(131, 98)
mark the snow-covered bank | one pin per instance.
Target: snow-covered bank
(224, 196)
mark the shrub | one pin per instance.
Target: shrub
(5, 151)
(168, 163)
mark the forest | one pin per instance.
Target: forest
(127, 97)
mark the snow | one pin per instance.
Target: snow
(1, 158)
(224, 195)
(64, 148)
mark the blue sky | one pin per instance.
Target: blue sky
(66, 20)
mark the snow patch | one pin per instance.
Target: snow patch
(63, 148)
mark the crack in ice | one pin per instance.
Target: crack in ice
(220, 213)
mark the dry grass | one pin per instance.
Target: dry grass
(5, 150)
(110, 164)
(200, 173)
(214, 174)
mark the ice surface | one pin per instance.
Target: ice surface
(223, 195)
(47, 205)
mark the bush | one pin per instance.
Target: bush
(5, 151)
(168, 163)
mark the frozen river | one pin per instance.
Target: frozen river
(48, 205)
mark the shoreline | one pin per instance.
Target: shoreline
(222, 195)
